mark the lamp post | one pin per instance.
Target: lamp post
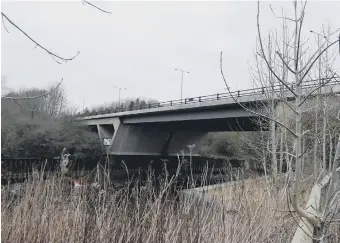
(119, 90)
(83, 100)
(182, 71)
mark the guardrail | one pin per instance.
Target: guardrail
(278, 88)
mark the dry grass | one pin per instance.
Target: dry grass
(52, 211)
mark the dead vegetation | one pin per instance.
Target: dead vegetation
(54, 211)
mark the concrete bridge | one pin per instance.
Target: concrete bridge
(168, 128)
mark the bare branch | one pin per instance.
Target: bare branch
(317, 57)
(52, 58)
(281, 17)
(303, 53)
(305, 132)
(315, 89)
(311, 58)
(334, 73)
(284, 62)
(3, 23)
(288, 104)
(245, 108)
(100, 9)
(299, 34)
(324, 36)
(37, 44)
(264, 56)
(32, 97)
(27, 109)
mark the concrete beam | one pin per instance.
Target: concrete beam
(189, 116)
(101, 121)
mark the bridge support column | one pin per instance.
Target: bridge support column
(107, 133)
(139, 140)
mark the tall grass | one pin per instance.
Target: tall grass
(55, 211)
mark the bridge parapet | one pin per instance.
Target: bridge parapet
(259, 93)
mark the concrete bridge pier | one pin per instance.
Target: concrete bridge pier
(135, 139)
(107, 132)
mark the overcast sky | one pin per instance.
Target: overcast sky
(140, 44)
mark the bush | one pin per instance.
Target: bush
(50, 143)
(46, 131)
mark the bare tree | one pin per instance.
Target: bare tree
(299, 68)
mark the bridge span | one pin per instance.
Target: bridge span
(168, 128)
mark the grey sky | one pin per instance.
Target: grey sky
(139, 45)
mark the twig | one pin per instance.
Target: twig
(3, 23)
(299, 35)
(281, 17)
(311, 58)
(288, 104)
(315, 89)
(284, 62)
(37, 44)
(27, 109)
(32, 97)
(100, 9)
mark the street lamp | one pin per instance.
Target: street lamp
(182, 71)
(119, 90)
(83, 99)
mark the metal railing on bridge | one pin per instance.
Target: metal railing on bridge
(278, 89)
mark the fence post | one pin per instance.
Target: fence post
(238, 93)
(185, 100)
(199, 99)
(218, 96)
(170, 103)
(262, 90)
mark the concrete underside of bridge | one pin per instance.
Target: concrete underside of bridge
(165, 138)
(169, 130)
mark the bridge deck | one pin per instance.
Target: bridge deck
(211, 101)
